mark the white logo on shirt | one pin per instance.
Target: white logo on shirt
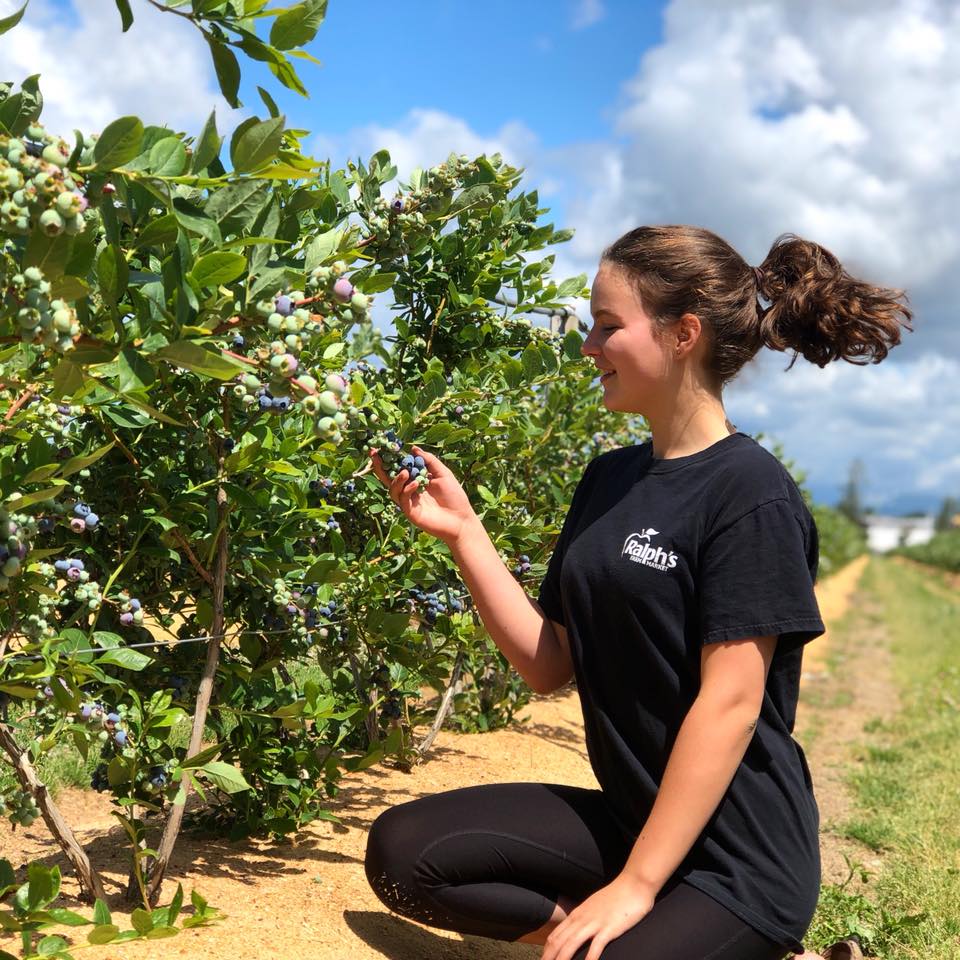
(646, 553)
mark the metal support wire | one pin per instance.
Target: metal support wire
(566, 315)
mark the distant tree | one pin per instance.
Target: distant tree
(948, 510)
(851, 503)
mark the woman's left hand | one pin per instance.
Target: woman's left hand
(603, 916)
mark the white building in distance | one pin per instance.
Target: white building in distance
(885, 533)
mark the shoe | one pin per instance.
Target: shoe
(846, 949)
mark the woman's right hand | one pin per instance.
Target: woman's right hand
(442, 508)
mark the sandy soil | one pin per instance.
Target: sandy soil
(310, 897)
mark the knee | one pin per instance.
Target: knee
(390, 858)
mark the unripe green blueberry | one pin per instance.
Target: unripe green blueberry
(56, 154)
(74, 225)
(311, 405)
(63, 320)
(33, 275)
(275, 322)
(329, 403)
(336, 383)
(326, 425)
(307, 382)
(340, 418)
(51, 223)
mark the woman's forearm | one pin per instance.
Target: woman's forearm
(710, 744)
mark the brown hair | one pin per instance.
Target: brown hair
(815, 307)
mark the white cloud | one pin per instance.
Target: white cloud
(834, 121)
(426, 137)
(586, 13)
(92, 73)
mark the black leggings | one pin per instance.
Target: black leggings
(492, 860)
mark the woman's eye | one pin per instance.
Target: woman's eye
(608, 328)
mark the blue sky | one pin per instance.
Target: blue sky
(508, 60)
(749, 117)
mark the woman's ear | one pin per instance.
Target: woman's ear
(688, 331)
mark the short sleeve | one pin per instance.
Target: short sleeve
(757, 575)
(549, 595)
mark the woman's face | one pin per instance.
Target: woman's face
(621, 340)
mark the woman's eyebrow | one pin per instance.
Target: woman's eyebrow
(609, 313)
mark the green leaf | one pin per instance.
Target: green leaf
(227, 777)
(194, 220)
(207, 147)
(49, 946)
(201, 359)
(101, 912)
(50, 254)
(81, 462)
(113, 273)
(173, 911)
(298, 26)
(572, 342)
(124, 657)
(228, 70)
(103, 933)
(322, 247)
(168, 157)
(67, 917)
(199, 759)
(571, 286)
(119, 142)
(158, 232)
(256, 144)
(37, 496)
(126, 14)
(8, 23)
(282, 466)
(530, 358)
(269, 102)
(134, 371)
(236, 206)
(141, 921)
(217, 268)
(44, 885)
(379, 282)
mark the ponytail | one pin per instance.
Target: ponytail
(818, 310)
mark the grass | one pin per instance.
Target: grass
(906, 783)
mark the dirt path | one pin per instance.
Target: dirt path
(311, 898)
(848, 684)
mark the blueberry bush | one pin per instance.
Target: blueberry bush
(203, 586)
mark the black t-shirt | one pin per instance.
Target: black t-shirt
(656, 558)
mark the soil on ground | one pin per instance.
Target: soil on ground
(309, 896)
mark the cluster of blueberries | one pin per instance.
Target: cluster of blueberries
(71, 567)
(93, 711)
(84, 518)
(132, 608)
(269, 402)
(523, 566)
(327, 490)
(22, 809)
(432, 604)
(394, 459)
